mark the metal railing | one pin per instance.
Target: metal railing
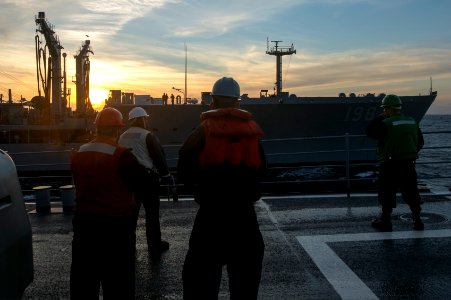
(346, 164)
(344, 167)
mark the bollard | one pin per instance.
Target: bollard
(42, 196)
(68, 197)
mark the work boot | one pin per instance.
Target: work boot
(418, 224)
(164, 246)
(382, 224)
(155, 251)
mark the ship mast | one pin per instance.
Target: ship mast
(279, 51)
(186, 72)
(82, 78)
(54, 77)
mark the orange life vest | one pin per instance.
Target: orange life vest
(230, 136)
(98, 186)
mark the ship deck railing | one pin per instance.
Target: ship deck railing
(349, 182)
(346, 181)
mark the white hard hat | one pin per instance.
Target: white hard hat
(227, 87)
(137, 112)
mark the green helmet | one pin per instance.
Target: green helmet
(391, 101)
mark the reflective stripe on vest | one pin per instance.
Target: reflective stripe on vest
(99, 188)
(98, 147)
(403, 122)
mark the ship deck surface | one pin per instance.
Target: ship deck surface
(317, 247)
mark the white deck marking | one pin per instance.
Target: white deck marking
(347, 284)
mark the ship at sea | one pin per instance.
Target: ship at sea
(40, 134)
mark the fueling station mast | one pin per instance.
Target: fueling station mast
(279, 51)
(49, 69)
(82, 63)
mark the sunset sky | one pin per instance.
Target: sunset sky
(360, 46)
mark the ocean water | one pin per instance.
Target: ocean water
(433, 165)
(434, 162)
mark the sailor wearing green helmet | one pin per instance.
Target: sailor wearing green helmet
(399, 139)
(391, 101)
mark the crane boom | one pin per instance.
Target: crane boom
(82, 78)
(54, 66)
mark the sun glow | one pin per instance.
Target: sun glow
(98, 97)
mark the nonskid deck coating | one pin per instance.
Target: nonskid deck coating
(290, 271)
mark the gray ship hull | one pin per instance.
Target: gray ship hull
(298, 131)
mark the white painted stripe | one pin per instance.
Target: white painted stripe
(373, 236)
(316, 196)
(347, 284)
(273, 219)
(353, 195)
(322, 196)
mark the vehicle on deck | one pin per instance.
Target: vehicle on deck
(16, 249)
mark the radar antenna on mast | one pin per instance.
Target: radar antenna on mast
(279, 51)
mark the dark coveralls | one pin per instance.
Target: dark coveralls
(103, 246)
(223, 162)
(399, 141)
(151, 156)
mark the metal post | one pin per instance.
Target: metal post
(186, 74)
(348, 183)
(42, 196)
(68, 197)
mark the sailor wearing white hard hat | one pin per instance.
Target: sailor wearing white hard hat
(222, 161)
(149, 152)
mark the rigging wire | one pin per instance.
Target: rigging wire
(17, 81)
(286, 70)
